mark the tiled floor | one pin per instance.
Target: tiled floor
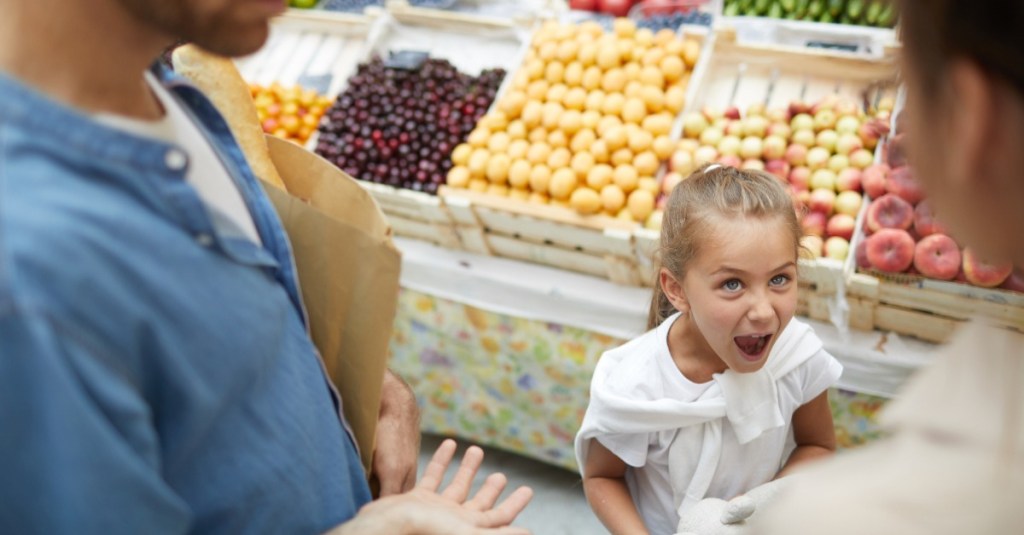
(558, 506)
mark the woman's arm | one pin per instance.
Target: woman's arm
(814, 433)
(605, 486)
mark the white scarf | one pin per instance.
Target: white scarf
(749, 401)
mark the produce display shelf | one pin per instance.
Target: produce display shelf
(550, 235)
(928, 309)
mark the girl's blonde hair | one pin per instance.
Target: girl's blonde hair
(713, 190)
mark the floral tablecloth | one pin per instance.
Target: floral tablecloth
(522, 385)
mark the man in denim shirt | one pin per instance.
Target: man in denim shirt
(156, 374)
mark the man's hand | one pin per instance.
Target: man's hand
(398, 438)
(425, 511)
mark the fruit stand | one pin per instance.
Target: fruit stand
(522, 162)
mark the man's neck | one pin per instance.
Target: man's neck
(89, 55)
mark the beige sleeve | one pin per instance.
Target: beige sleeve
(220, 80)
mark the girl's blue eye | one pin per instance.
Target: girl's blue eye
(779, 280)
(732, 285)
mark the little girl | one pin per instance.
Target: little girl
(727, 391)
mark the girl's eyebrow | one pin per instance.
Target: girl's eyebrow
(728, 269)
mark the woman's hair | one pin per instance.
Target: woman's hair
(989, 32)
(711, 192)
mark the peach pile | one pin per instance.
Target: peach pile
(288, 112)
(903, 235)
(819, 150)
(585, 121)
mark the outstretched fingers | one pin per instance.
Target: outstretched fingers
(433, 475)
(487, 496)
(458, 489)
(507, 510)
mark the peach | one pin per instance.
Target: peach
(779, 168)
(860, 255)
(704, 154)
(849, 203)
(837, 248)
(711, 136)
(729, 145)
(822, 200)
(827, 139)
(848, 143)
(813, 223)
(847, 124)
(983, 273)
(752, 147)
(755, 125)
(1015, 282)
(838, 162)
(841, 225)
(874, 179)
(890, 250)
(938, 257)
(889, 211)
(670, 181)
(694, 124)
(848, 179)
(902, 183)
(825, 119)
(896, 152)
(925, 222)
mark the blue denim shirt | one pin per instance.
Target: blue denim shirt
(155, 377)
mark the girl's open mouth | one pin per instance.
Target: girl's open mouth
(752, 347)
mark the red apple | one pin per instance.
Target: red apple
(874, 179)
(798, 107)
(813, 223)
(938, 257)
(983, 273)
(796, 154)
(732, 112)
(925, 222)
(583, 5)
(841, 225)
(822, 200)
(890, 250)
(800, 178)
(889, 211)
(730, 160)
(779, 168)
(849, 202)
(902, 183)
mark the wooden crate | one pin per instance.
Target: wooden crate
(315, 49)
(928, 309)
(550, 235)
(739, 74)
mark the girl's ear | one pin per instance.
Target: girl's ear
(673, 290)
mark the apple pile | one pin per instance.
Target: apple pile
(903, 234)
(291, 113)
(819, 150)
(585, 122)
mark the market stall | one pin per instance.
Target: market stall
(522, 160)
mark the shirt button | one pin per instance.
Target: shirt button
(204, 239)
(175, 160)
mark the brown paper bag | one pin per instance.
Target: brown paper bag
(348, 269)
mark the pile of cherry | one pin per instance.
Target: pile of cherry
(398, 127)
